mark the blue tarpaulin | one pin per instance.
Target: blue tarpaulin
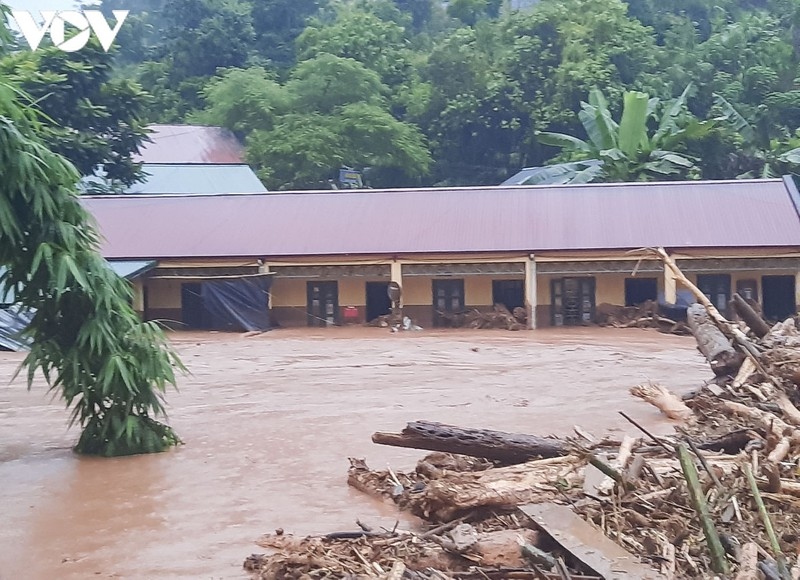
(240, 303)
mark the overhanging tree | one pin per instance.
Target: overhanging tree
(88, 342)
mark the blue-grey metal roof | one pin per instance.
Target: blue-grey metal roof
(131, 269)
(185, 178)
(128, 269)
(177, 179)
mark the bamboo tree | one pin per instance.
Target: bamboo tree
(87, 340)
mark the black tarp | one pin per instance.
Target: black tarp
(13, 320)
(240, 303)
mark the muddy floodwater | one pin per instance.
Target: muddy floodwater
(269, 422)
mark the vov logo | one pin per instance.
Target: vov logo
(55, 22)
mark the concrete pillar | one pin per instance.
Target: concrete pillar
(397, 276)
(531, 298)
(796, 291)
(670, 287)
(264, 269)
(138, 296)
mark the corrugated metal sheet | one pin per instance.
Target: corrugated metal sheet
(131, 269)
(190, 144)
(608, 216)
(196, 179)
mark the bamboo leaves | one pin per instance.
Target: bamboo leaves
(87, 341)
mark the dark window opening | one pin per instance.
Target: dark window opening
(572, 301)
(640, 290)
(779, 297)
(448, 301)
(378, 302)
(323, 303)
(717, 288)
(509, 293)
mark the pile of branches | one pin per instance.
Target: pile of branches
(498, 317)
(719, 498)
(645, 315)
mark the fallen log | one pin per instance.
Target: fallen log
(750, 317)
(712, 343)
(495, 445)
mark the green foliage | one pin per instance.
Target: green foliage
(243, 100)
(326, 82)
(475, 77)
(361, 35)
(330, 112)
(625, 151)
(92, 120)
(88, 342)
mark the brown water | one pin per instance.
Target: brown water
(269, 423)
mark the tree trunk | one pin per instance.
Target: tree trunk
(714, 345)
(750, 316)
(494, 445)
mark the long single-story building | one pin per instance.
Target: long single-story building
(557, 251)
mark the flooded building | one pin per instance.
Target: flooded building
(557, 251)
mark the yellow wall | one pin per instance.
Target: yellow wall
(292, 292)
(418, 290)
(478, 290)
(163, 293)
(610, 288)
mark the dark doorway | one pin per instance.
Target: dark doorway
(378, 302)
(323, 303)
(717, 288)
(779, 297)
(193, 314)
(640, 290)
(509, 293)
(573, 301)
(448, 299)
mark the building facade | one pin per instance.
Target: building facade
(556, 251)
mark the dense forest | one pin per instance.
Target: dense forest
(417, 92)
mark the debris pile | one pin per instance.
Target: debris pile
(719, 498)
(498, 317)
(645, 315)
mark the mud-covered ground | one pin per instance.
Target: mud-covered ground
(269, 422)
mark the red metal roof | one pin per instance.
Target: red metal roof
(606, 216)
(190, 144)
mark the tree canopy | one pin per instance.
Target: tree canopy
(473, 82)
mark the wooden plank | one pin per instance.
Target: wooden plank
(588, 544)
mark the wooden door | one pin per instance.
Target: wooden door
(322, 303)
(572, 301)
(448, 300)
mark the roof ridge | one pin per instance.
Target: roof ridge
(441, 190)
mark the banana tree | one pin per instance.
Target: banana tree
(626, 150)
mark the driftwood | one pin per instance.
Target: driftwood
(750, 316)
(714, 345)
(494, 445)
(662, 398)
